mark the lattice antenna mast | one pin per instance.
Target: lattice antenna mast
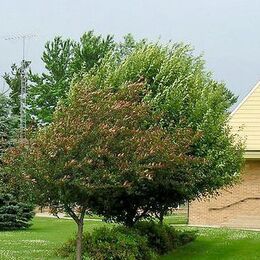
(23, 93)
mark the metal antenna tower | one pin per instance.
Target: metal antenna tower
(23, 93)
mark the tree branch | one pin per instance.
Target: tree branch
(72, 213)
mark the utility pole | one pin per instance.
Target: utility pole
(23, 103)
(23, 93)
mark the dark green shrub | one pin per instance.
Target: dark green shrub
(115, 243)
(145, 240)
(163, 238)
(14, 214)
(186, 237)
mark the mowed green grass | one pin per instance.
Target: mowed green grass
(213, 243)
(41, 240)
(176, 219)
(47, 234)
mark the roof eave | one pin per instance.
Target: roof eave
(245, 98)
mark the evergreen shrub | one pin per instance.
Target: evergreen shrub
(14, 214)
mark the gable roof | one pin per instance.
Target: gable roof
(245, 119)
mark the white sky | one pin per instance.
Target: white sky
(226, 31)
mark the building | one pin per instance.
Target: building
(240, 205)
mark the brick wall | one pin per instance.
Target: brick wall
(235, 207)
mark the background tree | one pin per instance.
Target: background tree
(14, 212)
(89, 52)
(46, 89)
(64, 60)
(8, 123)
(7, 134)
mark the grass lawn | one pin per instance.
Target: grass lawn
(41, 240)
(176, 219)
(220, 244)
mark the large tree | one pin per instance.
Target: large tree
(180, 87)
(171, 144)
(8, 130)
(105, 141)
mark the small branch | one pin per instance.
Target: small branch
(72, 213)
(141, 215)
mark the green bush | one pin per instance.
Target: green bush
(111, 244)
(14, 214)
(145, 240)
(163, 238)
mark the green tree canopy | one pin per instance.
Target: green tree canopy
(64, 60)
(106, 141)
(148, 150)
(180, 87)
(46, 89)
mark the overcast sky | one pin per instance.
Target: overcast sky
(227, 32)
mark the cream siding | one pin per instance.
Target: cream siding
(238, 206)
(246, 119)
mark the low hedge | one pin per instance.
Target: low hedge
(145, 241)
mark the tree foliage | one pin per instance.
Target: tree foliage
(143, 129)
(64, 60)
(180, 87)
(8, 123)
(13, 213)
(106, 141)
(90, 51)
(46, 89)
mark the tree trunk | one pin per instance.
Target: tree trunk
(80, 222)
(79, 239)
(161, 215)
